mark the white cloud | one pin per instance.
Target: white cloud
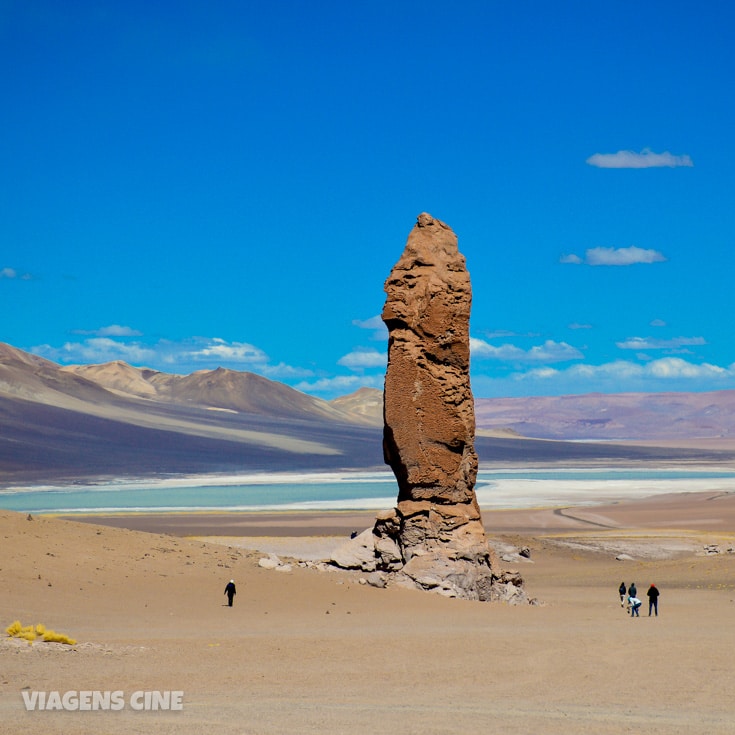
(499, 333)
(650, 343)
(359, 359)
(675, 367)
(645, 159)
(188, 355)
(181, 357)
(374, 323)
(577, 325)
(113, 330)
(549, 351)
(340, 384)
(97, 350)
(11, 273)
(571, 258)
(116, 330)
(231, 352)
(622, 256)
(615, 256)
(658, 323)
(284, 372)
(668, 373)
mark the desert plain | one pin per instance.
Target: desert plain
(308, 651)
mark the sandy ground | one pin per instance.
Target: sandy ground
(314, 652)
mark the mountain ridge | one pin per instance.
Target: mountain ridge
(595, 416)
(76, 423)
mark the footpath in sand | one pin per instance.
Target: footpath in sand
(304, 651)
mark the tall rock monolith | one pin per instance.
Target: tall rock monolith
(434, 537)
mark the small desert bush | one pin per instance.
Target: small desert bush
(17, 630)
(31, 632)
(51, 636)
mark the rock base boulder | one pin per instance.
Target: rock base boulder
(468, 570)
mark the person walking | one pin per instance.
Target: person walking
(653, 594)
(621, 592)
(230, 591)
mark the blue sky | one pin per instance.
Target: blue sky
(186, 185)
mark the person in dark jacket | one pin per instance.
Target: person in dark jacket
(230, 591)
(652, 599)
(621, 592)
(632, 592)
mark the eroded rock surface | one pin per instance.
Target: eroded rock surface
(434, 538)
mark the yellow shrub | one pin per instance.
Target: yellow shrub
(14, 628)
(30, 632)
(51, 636)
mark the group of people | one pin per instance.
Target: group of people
(634, 604)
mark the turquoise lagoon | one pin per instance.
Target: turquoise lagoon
(356, 491)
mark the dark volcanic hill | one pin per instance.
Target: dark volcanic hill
(69, 424)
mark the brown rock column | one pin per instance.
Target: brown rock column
(430, 421)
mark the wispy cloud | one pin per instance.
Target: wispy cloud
(113, 330)
(183, 357)
(665, 374)
(622, 256)
(549, 351)
(13, 274)
(651, 343)
(375, 324)
(190, 354)
(571, 259)
(503, 333)
(645, 159)
(658, 323)
(615, 256)
(97, 350)
(361, 358)
(622, 370)
(230, 352)
(340, 384)
(284, 372)
(577, 325)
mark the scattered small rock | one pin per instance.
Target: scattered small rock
(375, 579)
(269, 562)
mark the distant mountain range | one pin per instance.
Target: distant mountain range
(73, 423)
(591, 417)
(615, 416)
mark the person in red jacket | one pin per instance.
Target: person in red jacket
(652, 599)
